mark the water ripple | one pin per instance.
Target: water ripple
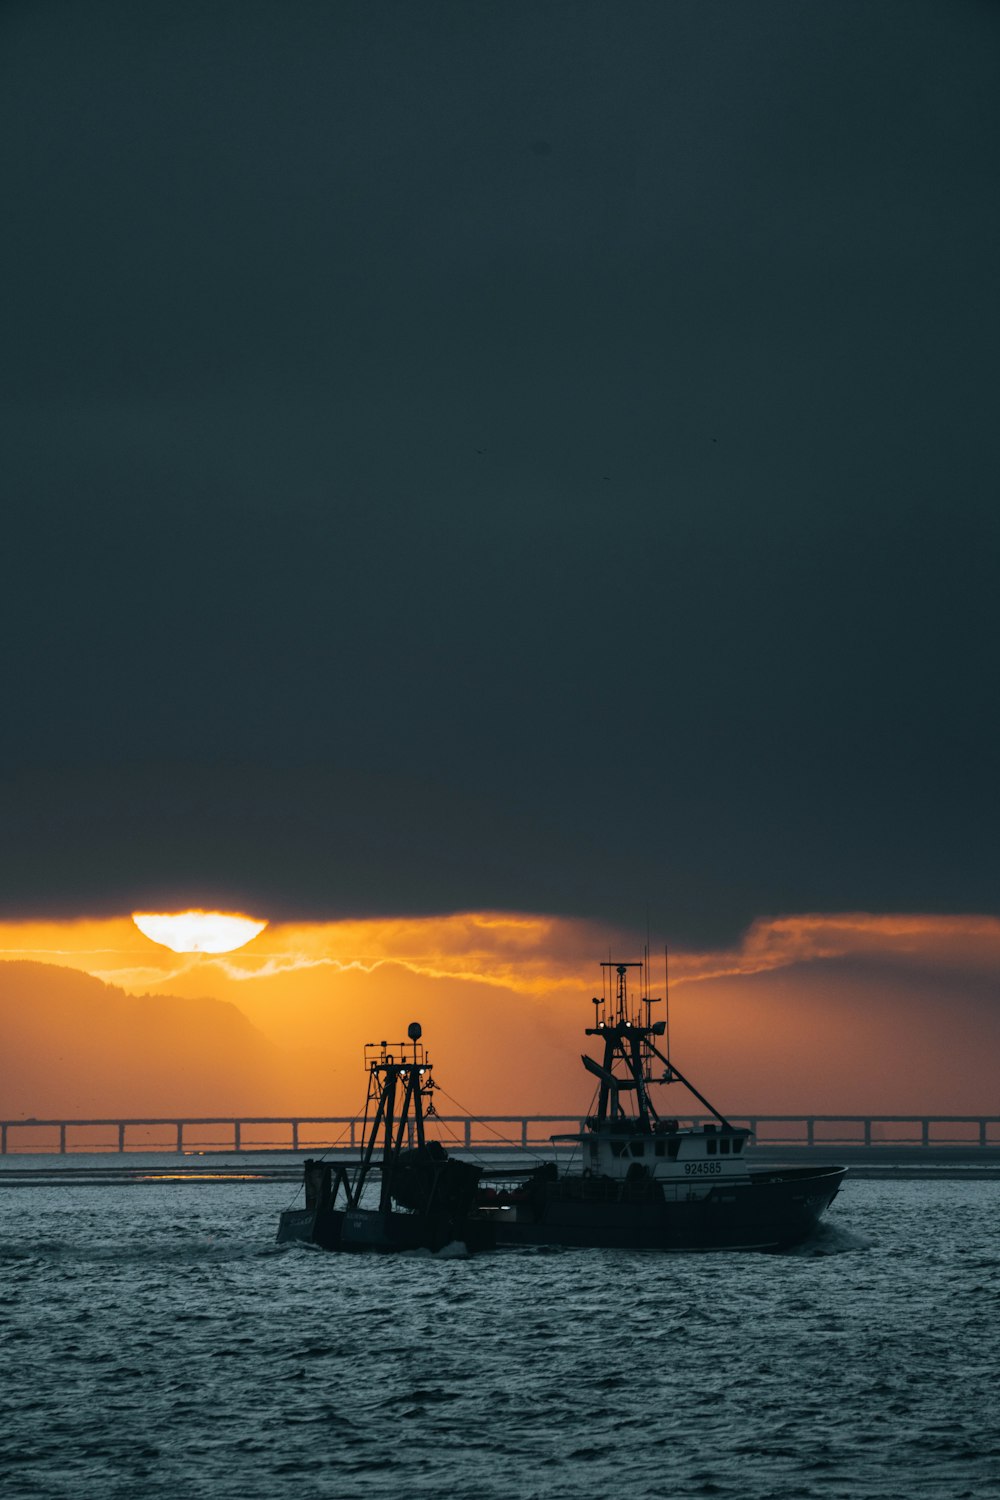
(167, 1348)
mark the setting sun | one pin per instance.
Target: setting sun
(198, 931)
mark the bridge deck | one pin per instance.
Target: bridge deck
(858, 1138)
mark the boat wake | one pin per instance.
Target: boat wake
(828, 1239)
(454, 1250)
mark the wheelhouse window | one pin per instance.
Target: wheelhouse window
(712, 1145)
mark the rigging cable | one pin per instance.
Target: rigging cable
(514, 1145)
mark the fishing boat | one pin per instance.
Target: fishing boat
(641, 1180)
(638, 1178)
(426, 1198)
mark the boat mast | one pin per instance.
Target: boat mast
(625, 1040)
(404, 1083)
(629, 1041)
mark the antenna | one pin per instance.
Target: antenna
(645, 975)
(645, 966)
(666, 995)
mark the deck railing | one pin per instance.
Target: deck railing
(498, 1132)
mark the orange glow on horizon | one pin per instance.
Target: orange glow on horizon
(817, 1012)
(199, 931)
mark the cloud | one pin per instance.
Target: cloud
(526, 953)
(966, 943)
(505, 484)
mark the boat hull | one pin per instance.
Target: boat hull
(360, 1229)
(765, 1211)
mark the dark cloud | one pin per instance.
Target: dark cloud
(549, 451)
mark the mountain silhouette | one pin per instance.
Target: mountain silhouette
(74, 1046)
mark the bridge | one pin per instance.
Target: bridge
(971, 1134)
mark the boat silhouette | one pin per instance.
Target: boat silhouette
(638, 1178)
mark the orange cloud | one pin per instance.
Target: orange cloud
(971, 942)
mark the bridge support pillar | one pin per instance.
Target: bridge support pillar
(468, 1134)
(62, 1139)
(810, 1132)
(868, 1132)
(236, 1136)
(982, 1134)
(121, 1135)
(180, 1137)
(925, 1132)
(3, 1140)
(295, 1135)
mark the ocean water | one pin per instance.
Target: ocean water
(154, 1342)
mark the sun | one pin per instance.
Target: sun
(198, 931)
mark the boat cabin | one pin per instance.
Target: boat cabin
(666, 1151)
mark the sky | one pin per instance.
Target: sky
(529, 458)
(811, 1015)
